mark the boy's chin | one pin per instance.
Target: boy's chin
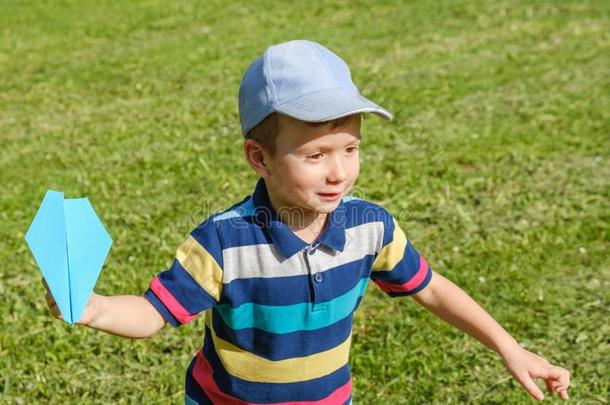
(326, 207)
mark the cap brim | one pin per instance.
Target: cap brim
(329, 104)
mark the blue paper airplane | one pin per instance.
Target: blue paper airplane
(70, 245)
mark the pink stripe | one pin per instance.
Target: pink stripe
(171, 302)
(412, 284)
(202, 372)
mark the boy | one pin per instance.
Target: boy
(284, 270)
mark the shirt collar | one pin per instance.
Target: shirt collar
(282, 236)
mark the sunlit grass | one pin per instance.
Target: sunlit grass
(496, 164)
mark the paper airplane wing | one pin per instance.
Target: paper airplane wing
(70, 246)
(88, 245)
(47, 241)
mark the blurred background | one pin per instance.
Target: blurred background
(496, 165)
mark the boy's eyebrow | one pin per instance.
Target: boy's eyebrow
(324, 147)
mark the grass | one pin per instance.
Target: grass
(496, 166)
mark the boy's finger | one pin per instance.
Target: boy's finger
(557, 378)
(49, 298)
(54, 310)
(554, 373)
(530, 386)
(561, 376)
(562, 390)
(557, 385)
(46, 286)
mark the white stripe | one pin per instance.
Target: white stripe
(265, 260)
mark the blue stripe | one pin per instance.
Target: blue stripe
(242, 232)
(207, 236)
(295, 289)
(388, 227)
(286, 345)
(359, 212)
(310, 390)
(291, 318)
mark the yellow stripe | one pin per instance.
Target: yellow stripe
(393, 252)
(250, 367)
(201, 266)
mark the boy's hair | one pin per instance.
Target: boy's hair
(266, 131)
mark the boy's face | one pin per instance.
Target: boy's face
(313, 167)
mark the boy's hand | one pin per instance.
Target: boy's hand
(131, 316)
(526, 366)
(88, 314)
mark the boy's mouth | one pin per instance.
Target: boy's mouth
(329, 196)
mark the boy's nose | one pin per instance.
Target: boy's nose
(337, 172)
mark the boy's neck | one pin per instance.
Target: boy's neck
(310, 233)
(306, 224)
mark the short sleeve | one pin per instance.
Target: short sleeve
(399, 269)
(193, 283)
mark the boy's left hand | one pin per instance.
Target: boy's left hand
(526, 366)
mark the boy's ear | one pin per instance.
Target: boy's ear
(256, 157)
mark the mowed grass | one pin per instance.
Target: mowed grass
(496, 165)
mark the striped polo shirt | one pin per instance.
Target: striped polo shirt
(279, 311)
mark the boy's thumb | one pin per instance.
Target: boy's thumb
(530, 386)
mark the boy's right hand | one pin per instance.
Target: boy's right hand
(88, 314)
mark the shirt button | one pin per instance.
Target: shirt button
(312, 251)
(318, 277)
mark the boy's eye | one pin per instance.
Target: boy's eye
(352, 149)
(315, 156)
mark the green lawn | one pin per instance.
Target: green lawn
(496, 165)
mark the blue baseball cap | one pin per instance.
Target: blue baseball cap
(301, 79)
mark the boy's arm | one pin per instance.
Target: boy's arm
(453, 305)
(129, 316)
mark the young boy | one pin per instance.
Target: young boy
(283, 271)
